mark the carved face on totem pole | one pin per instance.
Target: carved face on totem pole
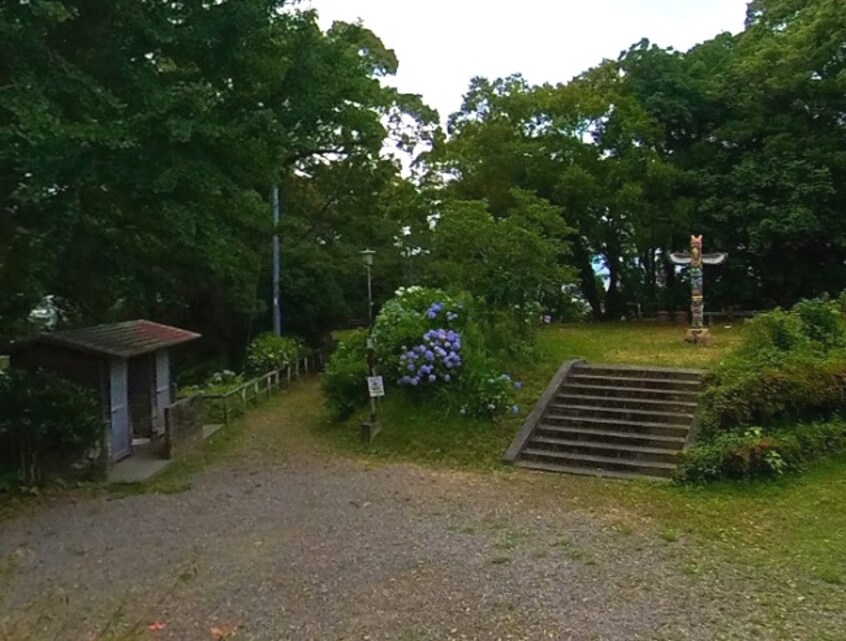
(696, 250)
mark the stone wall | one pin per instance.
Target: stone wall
(183, 425)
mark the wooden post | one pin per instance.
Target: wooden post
(226, 411)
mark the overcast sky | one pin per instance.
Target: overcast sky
(442, 44)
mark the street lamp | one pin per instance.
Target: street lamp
(367, 256)
(372, 427)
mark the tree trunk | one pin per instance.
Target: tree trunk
(588, 278)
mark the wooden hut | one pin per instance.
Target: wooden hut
(127, 365)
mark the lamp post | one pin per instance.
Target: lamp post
(372, 427)
(367, 256)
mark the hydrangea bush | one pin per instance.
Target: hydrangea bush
(433, 346)
(437, 359)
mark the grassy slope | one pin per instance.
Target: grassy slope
(439, 435)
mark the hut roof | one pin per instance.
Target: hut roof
(122, 340)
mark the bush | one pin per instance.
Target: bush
(271, 352)
(791, 365)
(772, 389)
(752, 454)
(46, 423)
(431, 344)
(822, 323)
(790, 368)
(488, 394)
(343, 382)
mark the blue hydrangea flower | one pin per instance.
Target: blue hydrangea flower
(447, 378)
(515, 409)
(410, 367)
(432, 378)
(518, 385)
(415, 381)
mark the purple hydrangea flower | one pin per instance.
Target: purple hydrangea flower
(518, 385)
(432, 378)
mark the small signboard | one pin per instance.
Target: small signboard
(376, 386)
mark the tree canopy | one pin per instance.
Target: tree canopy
(139, 142)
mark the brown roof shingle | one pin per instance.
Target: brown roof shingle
(122, 340)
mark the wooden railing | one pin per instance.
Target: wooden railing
(224, 407)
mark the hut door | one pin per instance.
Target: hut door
(162, 380)
(121, 432)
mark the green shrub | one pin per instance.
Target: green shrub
(753, 454)
(791, 365)
(269, 352)
(487, 394)
(769, 390)
(344, 381)
(736, 456)
(777, 330)
(405, 318)
(46, 424)
(822, 322)
(791, 368)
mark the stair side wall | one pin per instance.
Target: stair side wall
(538, 411)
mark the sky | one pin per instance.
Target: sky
(442, 44)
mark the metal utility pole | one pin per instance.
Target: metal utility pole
(277, 312)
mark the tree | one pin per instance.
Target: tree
(138, 142)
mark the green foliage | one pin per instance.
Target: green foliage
(46, 425)
(509, 260)
(431, 344)
(270, 352)
(753, 454)
(739, 138)
(790, 366)
(343, 382)
(405, 318)
(488, 394)
(822, 322)
(147, 155)
(778, 330)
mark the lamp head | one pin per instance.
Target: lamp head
(367, 256)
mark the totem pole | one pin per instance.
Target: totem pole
(694, 260)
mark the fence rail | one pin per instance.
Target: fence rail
(224, 407)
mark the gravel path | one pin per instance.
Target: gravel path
(321, 548)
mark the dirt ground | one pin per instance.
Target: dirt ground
(300, 544)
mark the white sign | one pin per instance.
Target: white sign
(376, 386)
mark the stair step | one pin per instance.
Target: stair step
(579, 376)
(600, 445)
(614, 434)
(638, 427)
(658, 468)
(640, 371)
(645, 391)
(585, 471)
(622, 410)
(618, 399)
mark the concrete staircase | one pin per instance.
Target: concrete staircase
(610, 420)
